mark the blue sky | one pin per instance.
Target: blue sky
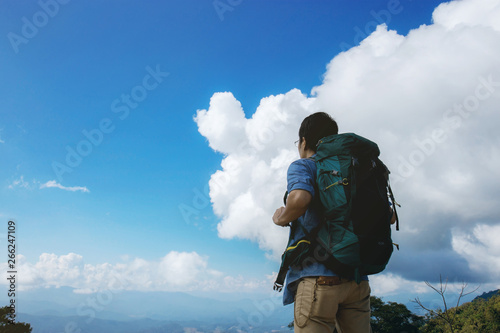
(129, 189)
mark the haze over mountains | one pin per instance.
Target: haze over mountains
(61, 310)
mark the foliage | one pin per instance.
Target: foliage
(480, 315)
(488, 295)
(445, 320)
(393, 317)
(7, 327)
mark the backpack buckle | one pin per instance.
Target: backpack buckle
(344, 182)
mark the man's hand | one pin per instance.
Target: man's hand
(277, 215)
(296, 205)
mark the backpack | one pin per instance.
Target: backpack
(354, 237)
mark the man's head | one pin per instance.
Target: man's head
(314, 127)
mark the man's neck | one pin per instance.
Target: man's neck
(308, 153)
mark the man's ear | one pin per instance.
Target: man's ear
(303, 140)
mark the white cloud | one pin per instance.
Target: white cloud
(58, 270)
(224, 125)
(429, 99)
(184, 272)
(480, 248)
(20, 183)
(176, 271)
(244, 191)
(391, 284)
(53, 183)
(468, 13)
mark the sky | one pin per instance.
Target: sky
(149, 141)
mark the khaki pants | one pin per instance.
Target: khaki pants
(320, 308)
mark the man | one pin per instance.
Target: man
(323, 300)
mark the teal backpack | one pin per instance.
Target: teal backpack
(354, 237)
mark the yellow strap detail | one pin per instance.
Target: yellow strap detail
(336, 183)
(302, 241)
(344, 181)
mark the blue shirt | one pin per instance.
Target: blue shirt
(302, 176)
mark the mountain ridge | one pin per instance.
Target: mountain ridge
(97, 312)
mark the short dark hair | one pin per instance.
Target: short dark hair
(315, 127)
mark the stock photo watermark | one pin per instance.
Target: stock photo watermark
(452, 120)
(11, 271)
(223, 6)
(120, 106)
(383, 16)
(263, 309)
(266, 308)
(31, 27)
(97, 303)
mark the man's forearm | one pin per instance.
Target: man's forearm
(290, 214)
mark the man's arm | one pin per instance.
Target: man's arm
(393, 217)
(296, 205)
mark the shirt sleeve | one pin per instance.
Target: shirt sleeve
(301, 176)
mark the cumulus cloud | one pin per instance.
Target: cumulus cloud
(429, 99)
(229, 117)
(176, 271)
(53, 183)
(252, 180)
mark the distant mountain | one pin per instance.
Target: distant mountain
(488, 295)
(54, 309)
(125, 305)
(56, 324)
